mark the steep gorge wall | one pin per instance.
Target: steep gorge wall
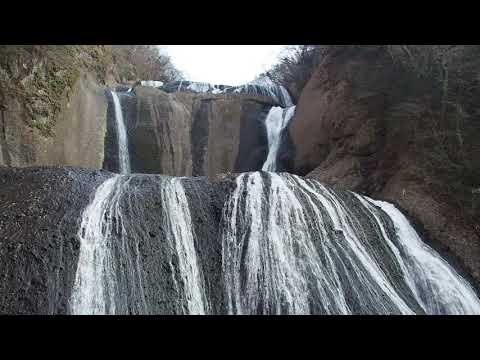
(354, 128)
(52, 106)
(55, 109)
(75, 139)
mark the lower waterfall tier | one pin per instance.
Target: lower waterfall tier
(89, 242)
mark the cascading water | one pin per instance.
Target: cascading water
(276, 121)
(152, 83)
(112, 273)
(95, 287)
(179, 226)
(268, 89)
(123, 155)
(288, 246)
(292, 246)
(436, 286)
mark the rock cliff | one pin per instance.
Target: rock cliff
(187, 133)
(357, 126)
(52, 107)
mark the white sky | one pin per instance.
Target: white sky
(222, 64)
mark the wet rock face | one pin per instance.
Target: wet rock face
(181, 134)
(231, 244)
(206, 219)
(253, 146)
(158, 132)
(111, 161)
(40, 210)
(228, 134)
(40, 216)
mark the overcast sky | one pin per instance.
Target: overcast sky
(222, 64)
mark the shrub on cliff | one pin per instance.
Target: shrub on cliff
(40, 77)
(295, 67)
(449, 143)
(444, 77)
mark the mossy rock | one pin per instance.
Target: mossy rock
(42, 77)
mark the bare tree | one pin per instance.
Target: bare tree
(144, 62)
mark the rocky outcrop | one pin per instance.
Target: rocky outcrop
(160, 134)
(354, 128)
(52, 107)
(228, 134)
(158, 128)
(76, 138)
(189, 133)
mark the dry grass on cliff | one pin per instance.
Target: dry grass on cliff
(449, 143)
(295, 67)
(446, 137)
(41, 77)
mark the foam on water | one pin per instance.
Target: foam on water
(292, 246)
(276, 122)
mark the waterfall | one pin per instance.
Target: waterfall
(151, 83)
(292, 246)
(123, 155)
(276, 121)
(287, 100)
(179, 224)
(259, 88)
(116, 237)
(437, 287)
(289, 245)
(180, 86)
(94, 287)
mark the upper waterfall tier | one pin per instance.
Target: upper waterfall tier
(122, 138)
(186, 133)
(276, 122)
(278, 93)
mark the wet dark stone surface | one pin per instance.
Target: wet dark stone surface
(253, 145)
(40, 210)
(111, 160)
(199, 138)
(40, 216)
